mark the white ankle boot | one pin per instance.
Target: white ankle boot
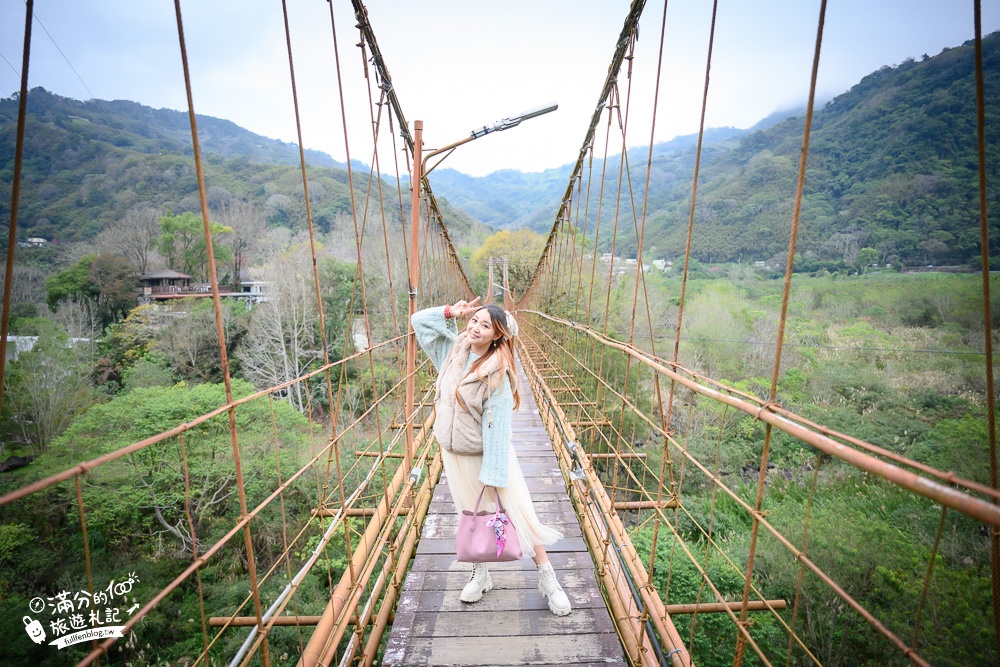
(479, 583)
(549, 587)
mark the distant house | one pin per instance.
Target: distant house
(33, 242)
(165, 283)
(252, 287)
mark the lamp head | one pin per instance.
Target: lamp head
(508, 123)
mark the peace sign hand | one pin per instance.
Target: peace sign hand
(465, 308)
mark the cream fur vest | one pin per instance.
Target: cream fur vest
(460, 430)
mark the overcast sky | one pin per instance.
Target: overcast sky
(460, 64)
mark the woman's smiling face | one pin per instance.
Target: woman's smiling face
(480, 328)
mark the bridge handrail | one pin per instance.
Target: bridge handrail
(86, 466)
(947, 496)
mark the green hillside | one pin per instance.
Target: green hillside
(892, 166)
(87, 163)
(512, 199)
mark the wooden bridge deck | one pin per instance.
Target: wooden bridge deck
(512, 624)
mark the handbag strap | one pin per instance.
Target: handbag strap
(496, 495)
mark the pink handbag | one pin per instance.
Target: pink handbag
(486, 537)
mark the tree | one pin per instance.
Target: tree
(47, 386)
(522, 249)
(133, 236)
(126, 343)
(933, 250)
(190, 343)
(248, 232)
(145, 492)
(283, 338)
(182, 244)
(339, 284)
(28, 286)
(279, 209)
(866, 257)
(114, 281)
(103, 284)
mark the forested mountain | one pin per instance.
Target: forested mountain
(87, 163)
(892, 166)
(512, 199)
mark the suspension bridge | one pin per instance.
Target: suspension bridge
(614, 429)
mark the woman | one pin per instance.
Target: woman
(476, 395)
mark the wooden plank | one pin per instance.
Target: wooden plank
(546, 512)
(447, 546)
(570, 560)
(502, 579)
(550, 497)
(511, 650)
(456, 624)
(496, 600)
(445, 528)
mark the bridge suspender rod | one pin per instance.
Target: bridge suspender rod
(414, 277)
(666, 465)
(984, 249)
(15, 190)
(793, 237)
(220, 335)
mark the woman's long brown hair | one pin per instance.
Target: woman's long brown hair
(504, 346)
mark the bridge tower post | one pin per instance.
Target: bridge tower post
(414, 278)
(489, 283)
(508, 301)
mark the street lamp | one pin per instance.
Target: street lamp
(499, 126)
(420, 172)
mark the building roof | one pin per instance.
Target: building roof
(165, 273)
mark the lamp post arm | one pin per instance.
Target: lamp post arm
(446, 149)
(498, 126)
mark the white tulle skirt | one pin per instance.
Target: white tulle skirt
(463, 482)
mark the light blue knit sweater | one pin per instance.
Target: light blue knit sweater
(436, 335)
